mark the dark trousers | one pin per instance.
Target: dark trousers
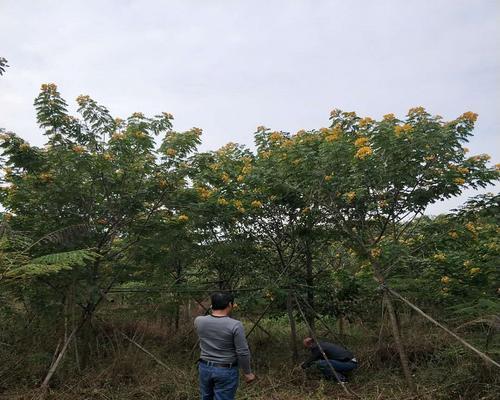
(338, 366)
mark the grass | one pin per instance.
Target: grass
(121, 371)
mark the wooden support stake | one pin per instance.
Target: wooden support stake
(146, 351)
(293, 328)
(260, 317)
(466, 344)
(335, 374)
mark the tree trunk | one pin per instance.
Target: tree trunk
(310, 286)
(403, 357)
(396, 334)
(60, 356)
(293, 328)
(341, 324)
(87, 341)
(177, 316)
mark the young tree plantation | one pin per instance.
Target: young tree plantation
(116, 231)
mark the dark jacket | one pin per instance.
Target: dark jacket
(332, 351)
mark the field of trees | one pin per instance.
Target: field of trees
(115, 232)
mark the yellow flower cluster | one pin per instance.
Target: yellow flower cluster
(335, 113)
(361, 141)
(24, 146)
(328, 178)
(400, 129)
(49, 87)
(459, 181)
(79, 149)
(453, 234)
(167, 115)
(225, 177)
(240, 178)
(376, 252)
(196, 131)
(138, 115)
(117, 136)
(107, 156)
(439, 257)
(204, 192)
(256, 204)
(183, 218)
(46, 177)
(416, 111)
(481, 157)
(363, 152)
(470, 227)
(162, 183)
(365, 122)
(445, 279)
(275, 136)
(222, 201)
(118, 121)
(469, 116)
(474, 271)
(350, 196)
(463, 170)
(227, 148)
(493, 246)
(82, 99)
(332, 134)
(389, 117)
(247, 168)
(265, 154)
(170, 152)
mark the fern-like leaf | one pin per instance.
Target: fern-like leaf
(52, 264)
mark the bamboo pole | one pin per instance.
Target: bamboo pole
(466, 344)
(335, 374)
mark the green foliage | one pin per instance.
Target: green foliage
(3, 65)
(130, 203)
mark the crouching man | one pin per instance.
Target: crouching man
(341, 359)
(224, 348)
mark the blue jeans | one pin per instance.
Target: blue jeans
(218, 383)
(338, 366)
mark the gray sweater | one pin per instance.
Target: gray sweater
(222, 340)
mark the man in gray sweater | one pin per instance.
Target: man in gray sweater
(223, 348)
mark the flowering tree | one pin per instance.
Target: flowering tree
(98, 174)
(455, 257)
(380, 176)
(366, 181)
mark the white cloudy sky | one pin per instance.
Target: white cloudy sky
(228, 66)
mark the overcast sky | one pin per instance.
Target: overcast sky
(229, 66)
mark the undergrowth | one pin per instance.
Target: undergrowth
(120, 370)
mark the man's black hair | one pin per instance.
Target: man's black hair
(221, 300)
